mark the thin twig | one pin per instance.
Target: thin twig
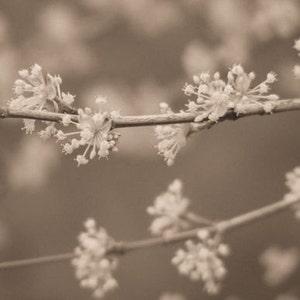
(194, 218)
(125, 247)
(36, 260)
(283, 105)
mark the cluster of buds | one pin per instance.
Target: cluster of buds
(171, 138)
(202, 261)
(34, 92)
(94, 132)
(215, 97)
(293, 184)
(279, 264)
(93, 267)
(169, 210)
(293, 181)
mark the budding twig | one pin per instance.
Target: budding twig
(283, 105)
(125, 247)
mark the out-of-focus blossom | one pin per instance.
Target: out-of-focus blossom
(279, 264)
(296, 71)
(275, 18)
(57, 22)
(227, 21)
(139, 14)
(172, 296)
(32, 165)
(93, 267)
(61, 31)
(228, 18)
(293, 183)
(202, 261)
(169, 210)
(198, 57)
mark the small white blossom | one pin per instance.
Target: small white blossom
(93, 267)
(29, 126)
(293, 183)
(168, 211)
(215, 97)
(279, 264)
(48, 132)
(33, 90)
(101, 100)
(66, 120)
(171, 138)
(94, 131)
(202, 261)
(67, 99)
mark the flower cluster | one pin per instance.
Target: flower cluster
(169, 210)
(279, 264)
(293, 183)
(94, 131)
(202, 261)
(93, 267)
(172, 138)
(297, 67)
(215, 97)
(34, 92)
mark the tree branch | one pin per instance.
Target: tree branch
(283, 105)
(121, 248)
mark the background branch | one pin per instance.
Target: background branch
(121, 248)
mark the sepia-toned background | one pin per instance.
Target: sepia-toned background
(138, 53)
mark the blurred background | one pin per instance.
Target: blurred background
(138, 53)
